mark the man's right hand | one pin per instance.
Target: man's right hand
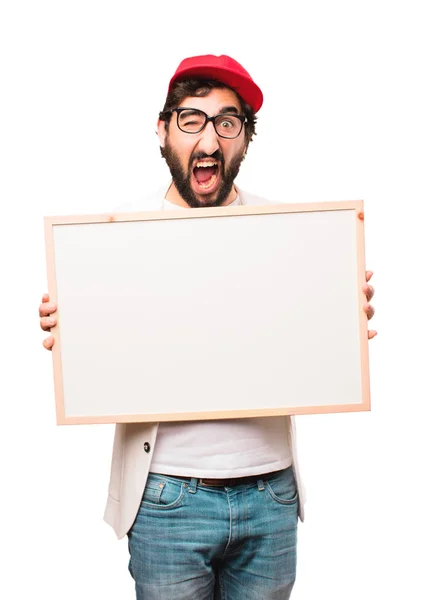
(47, 320)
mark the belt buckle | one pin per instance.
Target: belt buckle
(202, 482)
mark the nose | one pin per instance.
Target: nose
(208, 142)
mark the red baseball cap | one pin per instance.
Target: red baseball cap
(221, 68)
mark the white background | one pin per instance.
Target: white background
(348, 114)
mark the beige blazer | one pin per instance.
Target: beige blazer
(134, 443)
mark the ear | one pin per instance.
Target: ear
(161, 132)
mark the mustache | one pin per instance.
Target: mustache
(217, 155)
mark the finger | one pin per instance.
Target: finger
(46, 308)
(47, 323)
(48, 342)
(369, 291)
(371, 334)
(368, 275)
(369, 310)
(45, 298)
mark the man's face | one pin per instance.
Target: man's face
(203, 165)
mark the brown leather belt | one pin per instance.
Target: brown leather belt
(231, 482)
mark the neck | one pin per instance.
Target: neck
(175, 197)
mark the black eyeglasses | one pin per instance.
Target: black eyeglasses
(193, 120)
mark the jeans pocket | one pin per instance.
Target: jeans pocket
(161, 493)
(283, 488)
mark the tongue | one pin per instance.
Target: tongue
(204, 174)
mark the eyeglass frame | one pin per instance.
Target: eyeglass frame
(179, 109)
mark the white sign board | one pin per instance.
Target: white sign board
(209, 313)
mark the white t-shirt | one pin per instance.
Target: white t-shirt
(221, 448)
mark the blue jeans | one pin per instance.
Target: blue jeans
(194, 542)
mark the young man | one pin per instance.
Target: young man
(210, 507)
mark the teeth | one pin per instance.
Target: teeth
(202, 163)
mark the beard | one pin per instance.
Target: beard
(181, 179)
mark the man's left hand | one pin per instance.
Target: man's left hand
(369, 291)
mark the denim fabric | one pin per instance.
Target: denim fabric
(208, 543)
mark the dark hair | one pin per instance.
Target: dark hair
(199, 88)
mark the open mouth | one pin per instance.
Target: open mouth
(205, 174)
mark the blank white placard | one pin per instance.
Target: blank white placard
(218, 313)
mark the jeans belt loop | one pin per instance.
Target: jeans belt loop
(192, 487)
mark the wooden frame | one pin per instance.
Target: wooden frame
(209, 313)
